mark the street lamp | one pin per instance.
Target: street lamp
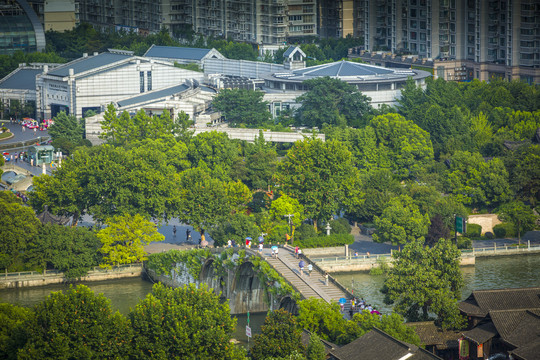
(290, 225)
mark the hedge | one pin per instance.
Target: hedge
(326, 241)
(473, 231)
(464, 243)
(504, 230)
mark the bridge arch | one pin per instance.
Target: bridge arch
(210, 276)
(245, 278)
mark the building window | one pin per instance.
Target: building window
(141, 80)
(149, 79)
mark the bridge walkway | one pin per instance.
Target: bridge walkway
(309, 286)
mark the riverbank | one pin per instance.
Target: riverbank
(349, 262)
(32, 278)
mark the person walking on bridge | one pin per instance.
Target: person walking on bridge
(309, 269)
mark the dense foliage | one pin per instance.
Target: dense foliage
(187, 323)
(426, 281)
(326, 320)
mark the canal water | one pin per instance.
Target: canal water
(489, 273)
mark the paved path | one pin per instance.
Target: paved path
(309, 286)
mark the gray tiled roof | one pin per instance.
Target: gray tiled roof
(481, 333)
(174, 52)
(88, 63)
(153, 96)
(517, 327)
(342, 69)
(377, 344)
(289, 51)
(503, 299)
(23, 79)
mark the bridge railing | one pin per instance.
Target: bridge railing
(485, 251)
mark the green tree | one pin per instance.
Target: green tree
(124, 238)
(236, 227)
(476, 182)
(76, 324)
(280, 336)
(314, 173)
(260, 164)
(400, 222)
(125, 129)
(13, 331)
(393, 324)
(286, 205)
(315, 349)
(332, 101)
(183, 323)
(18, 226)
(241, 106)
(524, 173)
(215, 149)
(74, 251)
(518, 214)
(105, 181)
(321, 318)
(205, 199)
(426, 281)
(408, 147)
(67, 127)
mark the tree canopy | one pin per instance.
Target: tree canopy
(124, 237)
(314, 172)
(280, 336)
(242, 107)
(183, 323)
(333, 102)
(426, 281)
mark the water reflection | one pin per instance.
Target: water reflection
(123, 293)
(488, 273)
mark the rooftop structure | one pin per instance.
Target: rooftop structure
(92, 82)
(182, 54)
(377, 344)
(382, 85)
(503, 320)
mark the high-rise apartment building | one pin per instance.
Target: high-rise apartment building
(466, 38)
(256, 21)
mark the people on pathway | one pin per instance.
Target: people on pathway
(296, 251)
(261, 248)
(174, 231)
(309, 269)
(301, 265)
(326, 278)
(299, 252)
(229, 243)
(188, 234)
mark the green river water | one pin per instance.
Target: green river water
(488, 273)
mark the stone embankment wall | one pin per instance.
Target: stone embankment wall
(32, 278)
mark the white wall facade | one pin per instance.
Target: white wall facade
(98, 88)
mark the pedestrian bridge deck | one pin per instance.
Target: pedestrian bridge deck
(308, 286)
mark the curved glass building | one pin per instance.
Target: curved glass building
(20, 28)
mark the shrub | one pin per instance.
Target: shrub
(489, 235)
(464, 243)
(340, 226)
(473, 231)
(504, 230)
(304, 231)
(326, 241)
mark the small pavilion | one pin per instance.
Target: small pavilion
(41, 154)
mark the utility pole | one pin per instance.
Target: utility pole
(290, 225)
